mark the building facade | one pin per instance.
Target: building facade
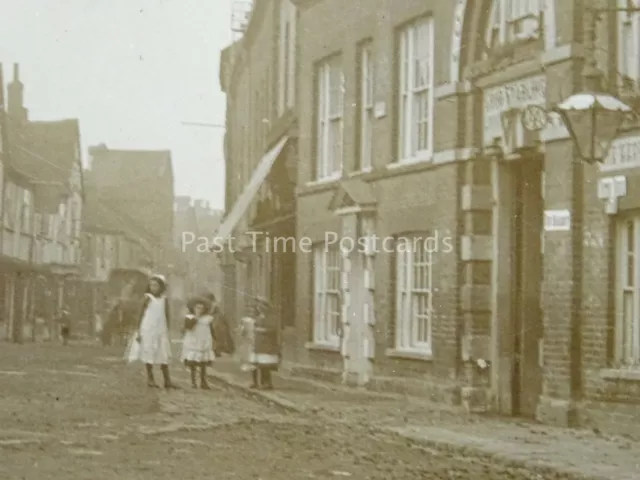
(258, 76)
(42, 209)
(195, 223)
(139, 186)
(108, 242)
(449, 237)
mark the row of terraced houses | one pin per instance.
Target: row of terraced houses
(65, 228)
(500, 279)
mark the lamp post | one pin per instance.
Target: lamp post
(593, 116)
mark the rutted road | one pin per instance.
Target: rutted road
(79, 413)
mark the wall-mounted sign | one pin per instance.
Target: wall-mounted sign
(610, 187)
(557, 220)
(509, 97)
(624, 153)
(380, 110)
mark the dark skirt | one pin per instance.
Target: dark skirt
(64, 331)
(190, 363)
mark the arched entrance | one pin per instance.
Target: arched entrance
(502, 249)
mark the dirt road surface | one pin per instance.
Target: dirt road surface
(81, 413)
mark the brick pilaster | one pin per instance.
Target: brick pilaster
(476, 251)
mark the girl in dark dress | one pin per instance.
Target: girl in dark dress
(260, 329)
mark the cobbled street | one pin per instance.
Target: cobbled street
(81, 413)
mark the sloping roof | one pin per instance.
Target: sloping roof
(124, 169)
(100, 215)
(47, 150)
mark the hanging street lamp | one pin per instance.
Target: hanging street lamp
(593, 116)
(593, 120)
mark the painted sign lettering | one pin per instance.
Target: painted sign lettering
(624, 153)
(557, 220)
(511, 96)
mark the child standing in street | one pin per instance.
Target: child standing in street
(197, 343)
(260, 331)
(223, 339)
(153, 345)
(64, 319)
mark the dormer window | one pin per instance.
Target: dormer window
(514, 20)
(629, 46)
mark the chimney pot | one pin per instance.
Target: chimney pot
(16, 72)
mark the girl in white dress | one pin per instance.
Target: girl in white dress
(153, 345)
(197, 343)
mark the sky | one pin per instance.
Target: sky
(131, 71)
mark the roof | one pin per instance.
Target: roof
(125, 169)
(46, 150)
(100, 215)
(355, 191)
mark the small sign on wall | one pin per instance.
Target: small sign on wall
(557, 220)
(380, 110)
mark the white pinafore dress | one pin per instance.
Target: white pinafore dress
(155, 346)
(197, 344)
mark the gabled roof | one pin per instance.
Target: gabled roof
(46, 150)
(125, 169)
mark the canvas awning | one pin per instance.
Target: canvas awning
(243, 202)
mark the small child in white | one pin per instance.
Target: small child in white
(197, 343)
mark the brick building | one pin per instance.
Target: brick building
(484, 265)
(139, 186)
(257, 73)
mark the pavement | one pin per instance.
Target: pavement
(551, 450)
(80, 412)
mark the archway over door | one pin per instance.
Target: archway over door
(470, 25)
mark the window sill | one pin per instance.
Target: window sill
(361, 171)
(409, 354)
(323, 181)
(322, 347)
(422, 158)
(630, 374)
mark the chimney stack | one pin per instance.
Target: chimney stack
(15, 101)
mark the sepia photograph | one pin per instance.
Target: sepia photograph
(320, 239)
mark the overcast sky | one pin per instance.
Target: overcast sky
(131, 71)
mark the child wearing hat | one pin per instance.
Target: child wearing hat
(197, 343)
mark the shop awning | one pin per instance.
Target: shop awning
(258, 177)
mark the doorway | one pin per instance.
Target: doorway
(526, 269)
(359, 339)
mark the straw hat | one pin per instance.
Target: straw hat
(198, 300)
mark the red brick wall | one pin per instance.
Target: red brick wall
(412, 199)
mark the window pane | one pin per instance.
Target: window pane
(335, 146)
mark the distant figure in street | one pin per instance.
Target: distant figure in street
(64, 321)
(222, 337)
(197, 343)
(260, 332)
(151, 344)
